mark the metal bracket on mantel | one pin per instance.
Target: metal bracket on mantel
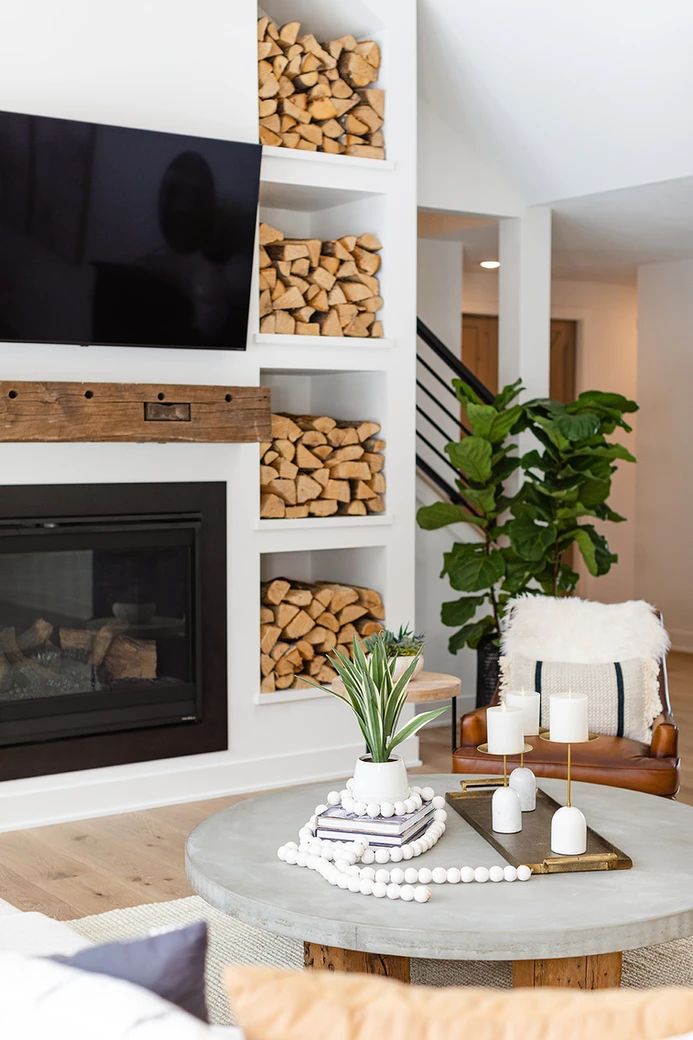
(133, 412)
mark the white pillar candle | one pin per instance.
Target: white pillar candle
(568, 832)
(506, 814)
(524, 782)
(504, 728)
(529, 703)
(568, 718)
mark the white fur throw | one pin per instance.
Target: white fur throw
(578, 631)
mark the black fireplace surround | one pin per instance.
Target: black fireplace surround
(112, 624)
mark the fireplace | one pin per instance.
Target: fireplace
(112, 624)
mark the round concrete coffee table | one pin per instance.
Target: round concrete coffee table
(558, 929)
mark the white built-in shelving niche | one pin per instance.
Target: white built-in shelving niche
(311, 194)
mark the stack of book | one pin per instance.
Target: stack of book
(335, 824)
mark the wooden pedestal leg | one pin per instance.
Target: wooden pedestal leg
(597, 971)
(333, 958)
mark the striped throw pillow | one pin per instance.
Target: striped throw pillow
(623, 696)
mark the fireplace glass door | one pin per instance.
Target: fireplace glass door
(98, 626)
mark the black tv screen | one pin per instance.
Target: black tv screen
(118, 236)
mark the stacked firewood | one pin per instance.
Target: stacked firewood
(301, 623)
(318, 96)
(314, 288)
(318, 466)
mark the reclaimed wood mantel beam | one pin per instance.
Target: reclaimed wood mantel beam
(49, 412)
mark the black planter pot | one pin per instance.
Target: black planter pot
(487, 673)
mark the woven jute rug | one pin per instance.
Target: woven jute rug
(232, 942)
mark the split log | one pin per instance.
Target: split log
(337, 468)
(308, 287)
(308, 621)
(312, 84)
(128, 658)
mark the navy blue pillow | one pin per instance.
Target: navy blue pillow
(171, 964)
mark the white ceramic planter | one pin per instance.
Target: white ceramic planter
(401, 665)
(380, 781)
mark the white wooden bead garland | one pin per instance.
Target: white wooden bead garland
(336, 861)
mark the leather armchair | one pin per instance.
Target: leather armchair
(614, 761)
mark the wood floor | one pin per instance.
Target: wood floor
(74, 869)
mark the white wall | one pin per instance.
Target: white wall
(607, 360)
(664, 500)
(555, 100)
(191, 68)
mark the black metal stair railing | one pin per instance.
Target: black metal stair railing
(438, 413)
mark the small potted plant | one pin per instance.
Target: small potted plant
(369, 687)
(401, 646)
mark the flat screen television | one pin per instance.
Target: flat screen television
(112, 235)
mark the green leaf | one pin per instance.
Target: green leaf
(594, 492)
(470, 568)
(530, 540)
(472, 456)
(481, 418)
(464, 392)
(440, 514)
(412, 727)
(483, 498)
(459, 611)
(504, 422)
(594, 549)
(602, 399)
(508, 394)
(612, 450)
(577, 427)
(471, 635)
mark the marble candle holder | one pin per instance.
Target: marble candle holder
(524, 782)
(506, 812)
(568, 832)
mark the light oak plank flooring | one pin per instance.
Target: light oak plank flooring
(75, 869)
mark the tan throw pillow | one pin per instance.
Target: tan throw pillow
(622, 696)
(270, 1004)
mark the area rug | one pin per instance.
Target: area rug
(232, 942)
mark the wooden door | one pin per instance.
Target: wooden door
(480, 347)
(480, 353)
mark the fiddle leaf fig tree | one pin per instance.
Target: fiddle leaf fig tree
(566, 483)
(522, 538)
(483, 567)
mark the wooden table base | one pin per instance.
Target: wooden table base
(332, 958)
(598, 971)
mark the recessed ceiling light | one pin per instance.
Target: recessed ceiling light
(490, 265)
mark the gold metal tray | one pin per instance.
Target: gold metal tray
(532, 844)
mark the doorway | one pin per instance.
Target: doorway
(480, 353)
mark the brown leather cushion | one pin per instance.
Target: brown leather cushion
(613, 761)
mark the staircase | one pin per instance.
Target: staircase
(439, 416)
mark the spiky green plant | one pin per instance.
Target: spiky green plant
(375, 698)
(404, 643)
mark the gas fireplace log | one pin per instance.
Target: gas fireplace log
(336, 468)
(128, 658)
(319, 288)
(103, 639)
(310, 619)
(36, 635)
(307, 90)
(76, 639)
(12, 655)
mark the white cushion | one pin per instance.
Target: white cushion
(38, 935)
(622, 697)
(42, 1000)
(6, 909)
